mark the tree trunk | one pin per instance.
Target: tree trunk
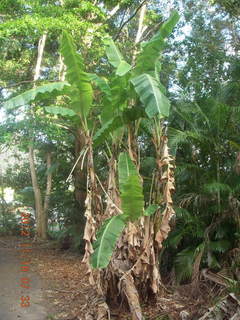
(41, 46)
(37, 193)
(141, 29)
(44, 220)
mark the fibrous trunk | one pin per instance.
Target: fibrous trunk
(133, 274)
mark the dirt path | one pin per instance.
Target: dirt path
(11, 291)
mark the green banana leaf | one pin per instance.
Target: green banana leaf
(106, 241)
(131, 191)
(115, 58)
(30, 95)
(150, 94)
(152, 49)
(82, 92)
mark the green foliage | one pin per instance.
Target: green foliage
(107, 237)
(102, 84)
(115, 58)
(130, 186)
(110, 126)
(184, 264)
(9, 224)
(215, 187)
(61, 111)
(231, 6)
(82, 92)
(151, 209)
(115, 102)
(30, 95)
(132, 206)
(219, 245)
(151, 50)
(150, 94)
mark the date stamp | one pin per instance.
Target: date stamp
(25, 249)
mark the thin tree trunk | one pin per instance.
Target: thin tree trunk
(141, 26)
(218, 191)
(44, 220)
(141, 29)
(37, 192)
(113, 11)
(41, 46)
(62, 72)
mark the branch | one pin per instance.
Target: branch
(129, 19)
(26, 81)
(17, 84)
(113, 11)
(151, 30)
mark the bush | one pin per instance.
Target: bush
(9, 224)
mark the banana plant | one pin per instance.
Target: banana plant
(140, 82)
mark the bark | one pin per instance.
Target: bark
(141, 29)
(94, 209)
(37, 192)
(62, 69)
(41, 46)
(44, 220)
(141, 26)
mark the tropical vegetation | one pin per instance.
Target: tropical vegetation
(122, 122)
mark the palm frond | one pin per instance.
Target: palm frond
(215, 187)
(219, 245)
(184, 264)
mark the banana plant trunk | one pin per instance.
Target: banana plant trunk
(133, 275)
